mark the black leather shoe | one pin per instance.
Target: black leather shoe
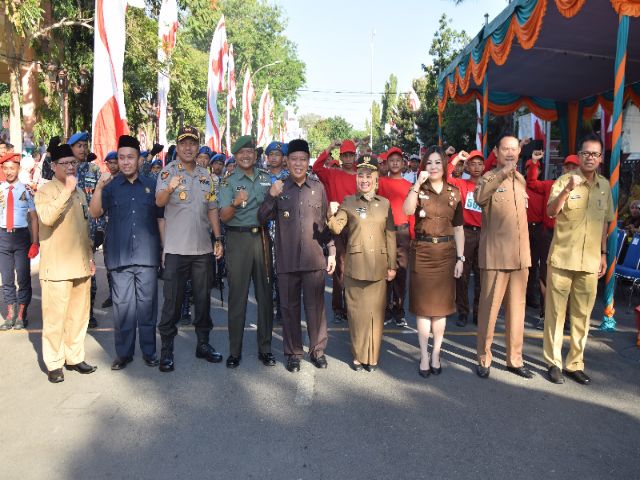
(483, 372)
(462, 320)
(357, 367)
(555, 375)
(107, 303)
(166, 361)
(82, 367)
(267, 359)
(522, 371)
(206, 351)
(151, 360)
(93, 323)
(120, 363)
(293, 364)
(579, 376)
(320, 362)
(232, 361)
(55, 376)
(371, 368)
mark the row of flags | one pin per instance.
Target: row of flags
(109, 119)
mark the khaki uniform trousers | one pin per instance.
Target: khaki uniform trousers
(65, 316)
(580, 290)
(499, 285)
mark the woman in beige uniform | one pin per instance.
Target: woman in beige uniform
(436, 258)
(370, 262)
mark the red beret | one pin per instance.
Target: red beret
(10, 157)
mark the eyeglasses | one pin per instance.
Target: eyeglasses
(73, 163)
(590, 154)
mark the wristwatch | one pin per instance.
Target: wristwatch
(461, 258)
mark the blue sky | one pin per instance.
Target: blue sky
(334, 40)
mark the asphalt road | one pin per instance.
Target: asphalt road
(205, 421)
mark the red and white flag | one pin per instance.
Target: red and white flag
(248, 96)
(478, 126)
(109, 115)
(216, 80)
(231, 94)
(538, 129)
(264, 119)
(414, 101)
(606, 129)
(167, 28)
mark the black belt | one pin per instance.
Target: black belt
(424, 238)
(15, 230)
(534, 224)
(404, 226)
(256, 229)
(472, 227)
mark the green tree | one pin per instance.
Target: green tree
(325, 131)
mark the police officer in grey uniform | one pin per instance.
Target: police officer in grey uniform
(186, 192)
(248, 253)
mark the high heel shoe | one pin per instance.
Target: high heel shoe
(434, 370)
(424, 373)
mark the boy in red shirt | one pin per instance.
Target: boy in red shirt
(338, 183)
(472, 214)
(395, 189)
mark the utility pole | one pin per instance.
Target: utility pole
(373, 34)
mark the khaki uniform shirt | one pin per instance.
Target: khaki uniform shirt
(63, 217)
(371, 248)
(187, 228)
(257, 186)
(577, 237)
(438, 213)
(504, 237)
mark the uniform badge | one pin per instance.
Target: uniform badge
(313, 192)
(180, 166)
(284, 197)
(501, 190)
(285, 214)
(23, 197)
(422, 214)
(362, 211)
(203, 179)
(240, 187)
(164, 175)
(182, 195)
(147, 190)
(451, 204)
(422, 195)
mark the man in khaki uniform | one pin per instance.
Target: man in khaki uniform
(504, 257)
(66, 267)
(582, 204)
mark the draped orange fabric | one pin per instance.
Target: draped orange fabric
(568, 8)
(630, 8)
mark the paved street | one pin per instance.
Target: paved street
(205, 421)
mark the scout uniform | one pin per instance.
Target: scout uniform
(573, 265)
(371, 251)
(248, 256)
(65, 269)
(504, 260)
(188, 253)
(88, 175)
(16, 201)
(299, 214)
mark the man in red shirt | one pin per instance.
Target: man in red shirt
(472, 214)
(395, 189)
(339, 183)
(543, 188)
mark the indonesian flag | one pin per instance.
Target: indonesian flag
(478, 126)
(109, 115)
(263, 118)
(217, 70)
(167, 28)
(248, 96)
(414, 101)
(538, 128)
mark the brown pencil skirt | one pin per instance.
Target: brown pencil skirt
(365, 310)
(432, 289)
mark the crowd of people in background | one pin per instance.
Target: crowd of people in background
(397, 232)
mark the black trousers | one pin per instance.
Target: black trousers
(135, 304)
(471, 248)
(397, 288)
(310, 287)
(248, 259)
(177, 269)
(14, 248)
(535, 242)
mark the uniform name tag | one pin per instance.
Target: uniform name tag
(265, 184)
(501, 190)
(575, 196)
(470, 203)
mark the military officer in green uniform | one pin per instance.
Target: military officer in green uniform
(248, 254)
